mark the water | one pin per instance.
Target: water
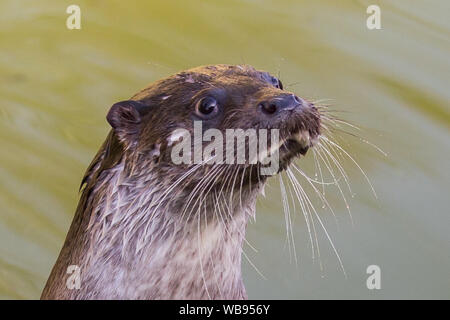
(57, 85)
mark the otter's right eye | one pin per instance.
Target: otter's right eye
(207, 108)
(280, 85)
(276, 83)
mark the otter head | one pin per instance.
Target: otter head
(213, 99)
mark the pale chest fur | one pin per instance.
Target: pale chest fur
(130, 243)
(132, 248)
(202, 263)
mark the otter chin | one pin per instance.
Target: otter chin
(148, 228)
(296, 145)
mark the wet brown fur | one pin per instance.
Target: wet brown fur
(130, 241)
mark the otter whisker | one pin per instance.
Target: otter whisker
(315, 102)
(303, 209)
(347, 123)
(317, 163)
(292, 84)
(230, 213)
(324, 158)
(210, 256)
(294, 209)
(146, 234)
(178, 181)
(200, 257)
(207, 180)
(329, 238)
(363, 140)
(217, 212)
(339, 167)
(336, 183)
(184, 176)
(325, 109)
(311, 206)
(321, 196)
(373, 146)
(240, 188)
(212, 184)
(219, 207)
(128, 235)
(337, 121)
(242, 250)
(285, 210)
(233, 185)
(212, 173)
(356, 163)
(307, 214)
(287, 217)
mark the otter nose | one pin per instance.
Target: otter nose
(280, 104)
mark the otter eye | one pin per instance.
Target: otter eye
(280, 84)
(207, 107)
(277, 83)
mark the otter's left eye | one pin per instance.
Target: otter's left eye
(280, 84)
(207, 108)
(277, 83)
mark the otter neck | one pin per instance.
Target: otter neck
(135, 248)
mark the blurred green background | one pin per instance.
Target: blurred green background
(56, 86)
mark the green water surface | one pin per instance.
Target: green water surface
(56, 86)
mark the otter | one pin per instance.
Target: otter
(147, 228)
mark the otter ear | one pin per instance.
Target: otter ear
(125, 118)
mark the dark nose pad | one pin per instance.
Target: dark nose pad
(280, 103)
